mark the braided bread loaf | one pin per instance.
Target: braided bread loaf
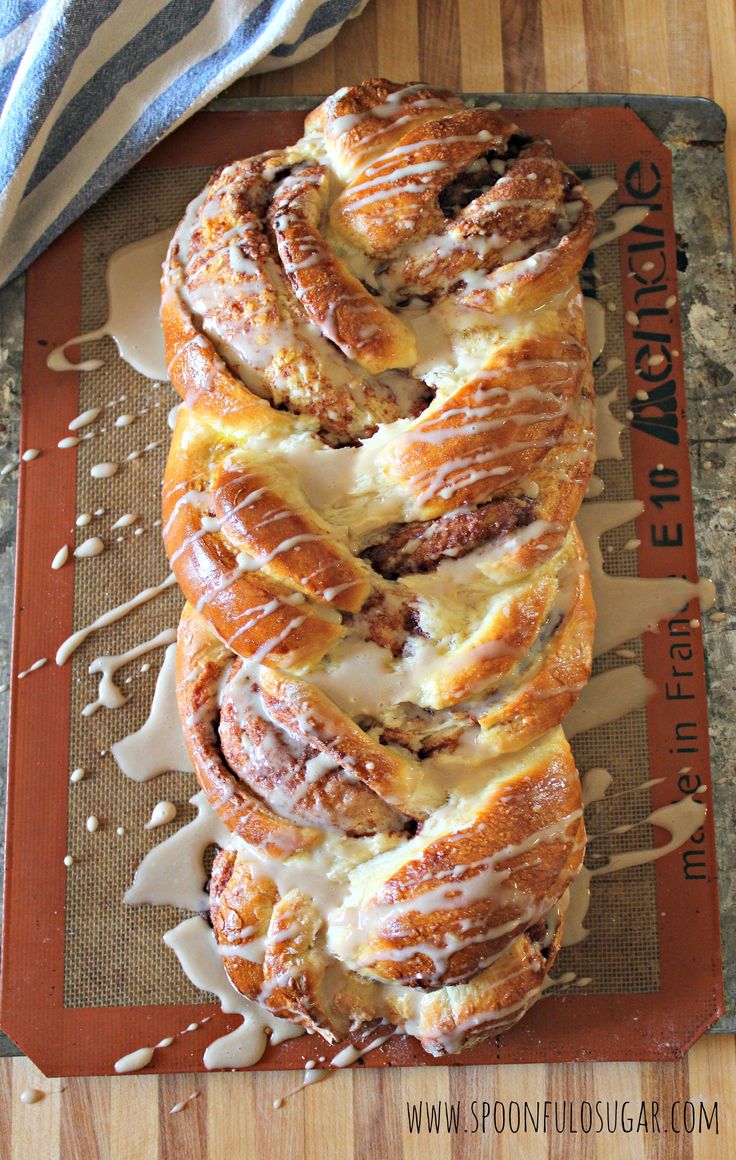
(386, 434)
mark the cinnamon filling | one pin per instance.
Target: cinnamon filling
(421, 547)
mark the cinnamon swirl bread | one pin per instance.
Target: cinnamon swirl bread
(386, 433)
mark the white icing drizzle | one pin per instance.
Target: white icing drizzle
(612, 364)
(362, 677)
(33, 668)
(312, 1075)
(124, 521)
(163, 813)
(681, 818)
(159, 743)
(608, 696)
(626, 605)
(110, 695)
(195, 948)
(594, 784)
(133, 290)
(72, 643)
(613, 693)
(172, 873)
(595, 487)
(347, 1056)
(595, 326)
(626, 688)
(563, 980)
(608, 428)
(599, 189)
(30, 454)
(350, 1054)
(623, 220)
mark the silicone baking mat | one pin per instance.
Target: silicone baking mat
(86, 978)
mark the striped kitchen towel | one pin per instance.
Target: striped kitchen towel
(88, 86)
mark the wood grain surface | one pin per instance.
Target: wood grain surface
(682, 47)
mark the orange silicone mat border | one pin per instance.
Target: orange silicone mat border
(66, 1041)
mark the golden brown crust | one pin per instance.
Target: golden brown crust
(240, 910)
(396, 198)
(361, 123)
(256, 519)
(555, 679)
(397, 779)
(475, 885)
(457, 1018)
(522, 398)
(537, 200)
(200, 664)
(248, 610)
(297, 980)
(369, 505)
(332, 297)
(295, 763)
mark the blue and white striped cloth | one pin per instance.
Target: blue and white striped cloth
(88, 86)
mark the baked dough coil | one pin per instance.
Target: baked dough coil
(387, 431)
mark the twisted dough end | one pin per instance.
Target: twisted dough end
(369, 503)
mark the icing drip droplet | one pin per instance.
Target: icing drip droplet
(31, 1096)
(103, 470)
(85, 418)
(183, 1103)
(60, 558)
(134, 1061)
(133, 276)
(94, 546)
(163, 813)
